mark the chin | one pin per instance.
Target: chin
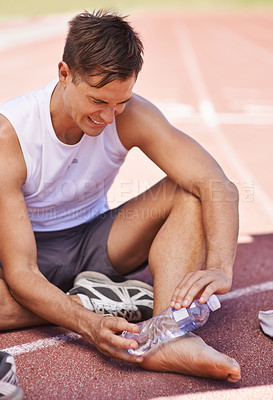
(94, 133)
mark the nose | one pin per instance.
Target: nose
(108, 114)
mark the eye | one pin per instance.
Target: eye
(93, 100)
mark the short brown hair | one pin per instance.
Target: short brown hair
(102, 44)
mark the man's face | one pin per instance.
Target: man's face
(91, 109)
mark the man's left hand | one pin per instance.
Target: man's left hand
(200, 284)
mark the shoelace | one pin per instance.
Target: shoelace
(131, 313)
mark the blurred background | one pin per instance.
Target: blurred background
(34, 7)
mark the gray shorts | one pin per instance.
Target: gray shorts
(62, 255)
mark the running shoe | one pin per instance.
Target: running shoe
(9, 389)
(132, 300)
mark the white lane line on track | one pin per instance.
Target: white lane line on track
(208, 113)
(70, 337)
(245, 118)
(179, 113)
(262, 287)
(223, 118)
(42, 344)
(211, 120)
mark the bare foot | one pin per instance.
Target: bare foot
(190, 355)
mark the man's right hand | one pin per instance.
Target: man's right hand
(106, 336)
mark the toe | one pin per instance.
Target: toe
(233, 379)
(235, 372)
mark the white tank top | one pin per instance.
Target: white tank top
(66, 185)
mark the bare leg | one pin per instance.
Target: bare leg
(15, 316)
(165, 225)
(12, 314)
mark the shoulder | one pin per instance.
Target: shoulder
(140, 122)
(7, 133)
(10, 153)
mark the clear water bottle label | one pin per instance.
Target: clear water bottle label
(180, 314)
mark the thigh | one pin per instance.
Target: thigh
(62, 255)
(58, 255)
(93, 254)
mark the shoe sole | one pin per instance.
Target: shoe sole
(100, 278)
(17, 395)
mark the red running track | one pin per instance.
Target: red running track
(211, 73)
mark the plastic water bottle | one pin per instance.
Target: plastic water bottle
(171, 323)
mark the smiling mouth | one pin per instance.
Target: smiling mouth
(96, 122)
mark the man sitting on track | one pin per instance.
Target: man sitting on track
(60, 149)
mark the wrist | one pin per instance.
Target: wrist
(226, 269)
(87, 322)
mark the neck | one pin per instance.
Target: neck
(64, 127)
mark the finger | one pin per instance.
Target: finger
(118, 325)
(218, 285)
(184, 296)
(209, 290)
(182, 288)
(176, 297)
(188, 278)
(119, 341)
(124, 355)
(212, 285)
(117, 352)
(197, 287)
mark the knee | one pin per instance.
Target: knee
(180, 196)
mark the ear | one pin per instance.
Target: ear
(64, 73)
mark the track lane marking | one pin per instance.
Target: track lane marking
(261, 287)
(42, 344)
(182, 113)
(211, 120)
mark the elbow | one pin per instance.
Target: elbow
(233, 192)
(226, 191)
(218, 189)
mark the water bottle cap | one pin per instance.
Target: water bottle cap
(213, 302)
(180, 314)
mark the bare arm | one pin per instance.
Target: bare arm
(19, 259)
(194, 169)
